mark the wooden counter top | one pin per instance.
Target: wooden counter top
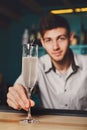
(11, 121)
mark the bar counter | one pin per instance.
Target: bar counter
(10, 120)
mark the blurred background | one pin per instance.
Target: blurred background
(18, 15)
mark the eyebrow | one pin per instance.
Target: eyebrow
(62, 35)
(57, 36)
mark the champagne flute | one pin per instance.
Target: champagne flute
(29, 72)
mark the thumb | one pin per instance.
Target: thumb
(31, 103)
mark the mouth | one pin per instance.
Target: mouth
(57, 53)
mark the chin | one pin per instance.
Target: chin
(57, 59)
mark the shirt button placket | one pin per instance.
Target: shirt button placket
(65, 87)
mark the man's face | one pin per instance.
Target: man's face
(56, 42)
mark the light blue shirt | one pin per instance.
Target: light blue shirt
(62, 91)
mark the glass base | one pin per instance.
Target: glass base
(26, 121)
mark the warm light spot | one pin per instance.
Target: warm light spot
(62, 11)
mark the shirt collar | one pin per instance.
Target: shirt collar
(75, 64)
(48, 64)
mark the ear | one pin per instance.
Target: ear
(71, 36)
(42, 42)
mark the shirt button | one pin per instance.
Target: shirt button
(65, 90)
(66, 105)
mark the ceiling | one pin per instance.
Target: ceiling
(11, 10)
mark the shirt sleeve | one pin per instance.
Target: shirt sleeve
(20, 80)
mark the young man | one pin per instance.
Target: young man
(62, 76)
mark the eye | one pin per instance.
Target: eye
(62, 38)
(47, 40)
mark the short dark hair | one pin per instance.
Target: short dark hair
(51, 21)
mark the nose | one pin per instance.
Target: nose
(55, 45)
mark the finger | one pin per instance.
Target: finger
(32, 103)
(23, 96)
(12, 104)
(14, 96)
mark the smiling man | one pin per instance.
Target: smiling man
(62, 76)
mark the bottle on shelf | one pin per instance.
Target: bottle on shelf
(25, 37)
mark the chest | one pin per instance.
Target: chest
(58, 84)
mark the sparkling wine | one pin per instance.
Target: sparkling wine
(29, 71)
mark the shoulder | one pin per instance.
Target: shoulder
(80, 57)
(44, 58)
(45, 62)
(80, 60)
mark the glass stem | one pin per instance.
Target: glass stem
(29, 110)
(29, 113)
